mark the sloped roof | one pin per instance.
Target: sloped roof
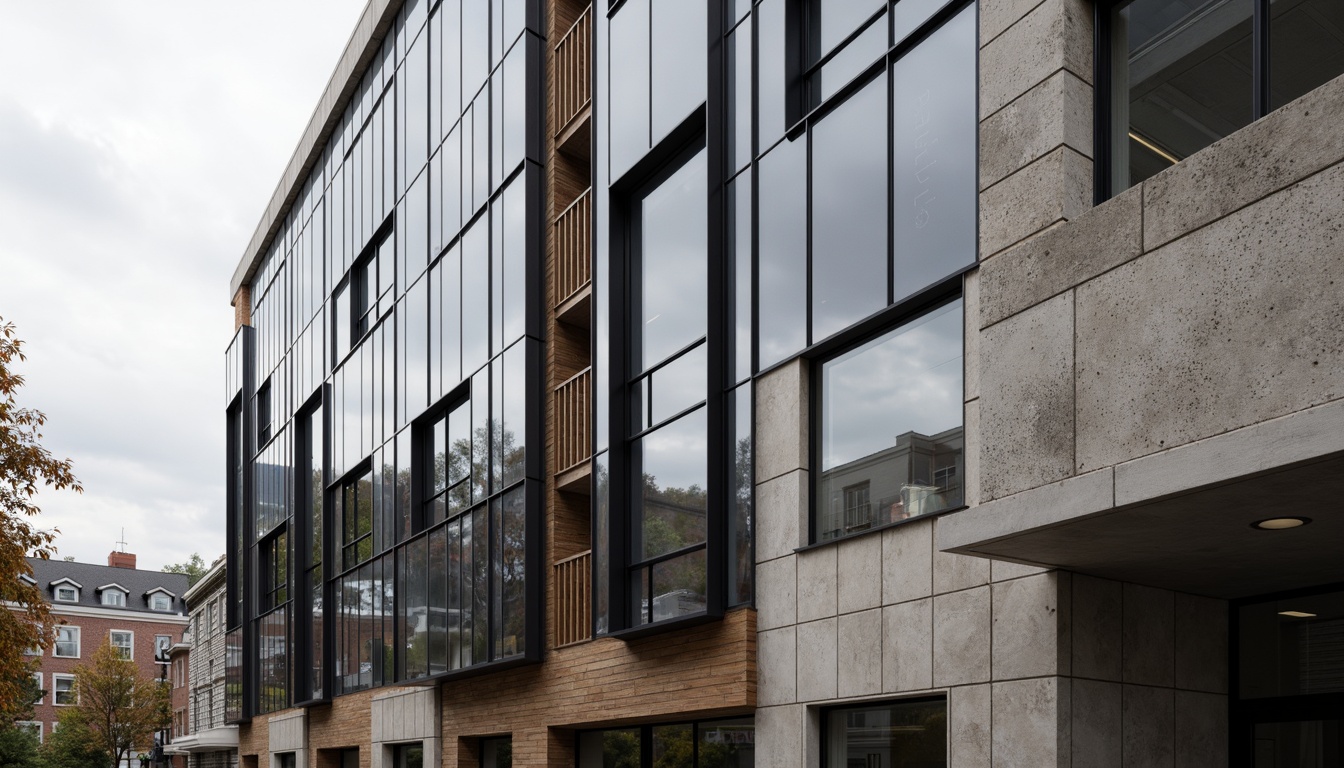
(136, 582)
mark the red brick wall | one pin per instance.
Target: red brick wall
(94, 631)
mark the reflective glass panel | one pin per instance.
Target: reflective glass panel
(678, 61)
(834, 20)
(849, 211)
(672, 308)
(781, 184)
(934, 164)
(671, 461)
(628, 70)
(891, 427)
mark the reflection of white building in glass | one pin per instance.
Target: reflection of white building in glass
(918, 475)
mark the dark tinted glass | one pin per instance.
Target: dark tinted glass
(891, 427)
(672, 309)
(782, 256)
(1306, 46)
(673, 746)
(678, 61)
(849, 211)
(1181, 79)
(899, 735)
(1286, 646)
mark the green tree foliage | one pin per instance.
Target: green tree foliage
(25, 466)
(194, 568)
(118, 707)
(72, 744)
(18, 747)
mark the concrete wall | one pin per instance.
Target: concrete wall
(886, 615)
(1205, 300)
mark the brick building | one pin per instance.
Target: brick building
(140, 612)
(797, 382)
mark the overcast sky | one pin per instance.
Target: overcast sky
(139, 143)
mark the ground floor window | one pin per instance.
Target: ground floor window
(286, 760)
(1289, 679)
(409, 756)
(497, 752)
(708, 744)
(897, 734)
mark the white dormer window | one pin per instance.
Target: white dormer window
(65, 590)
(160, 599)
(113, 595)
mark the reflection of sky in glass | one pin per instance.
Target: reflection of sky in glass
(672, 296)
(907, 380)
(849, 211)
(934, 136)
(837, 18)
(674, 455)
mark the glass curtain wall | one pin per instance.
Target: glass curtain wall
(402, 280)
(840, 191)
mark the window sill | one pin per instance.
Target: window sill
(877, 529)
(659, 627)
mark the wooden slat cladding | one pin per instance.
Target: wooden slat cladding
(573, 242)
(573, 599)
(573, 72)
(573, 441)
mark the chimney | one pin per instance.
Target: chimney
(121, 560)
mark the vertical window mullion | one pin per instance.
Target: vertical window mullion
(1260, 73)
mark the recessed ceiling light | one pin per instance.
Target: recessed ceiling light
(1297, 614)
(1280, 523)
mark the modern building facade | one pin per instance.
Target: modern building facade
(200, 736)
(141, 613)
(693, 384)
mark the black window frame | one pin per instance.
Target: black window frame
(929, 300)
(272, 585)
(681, 145)
(827, 712)
(1102, 134)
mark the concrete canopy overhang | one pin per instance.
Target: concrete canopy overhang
(209, 740)
(1181, 519)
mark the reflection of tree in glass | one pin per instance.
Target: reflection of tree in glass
(620, 749)
(743, 521)
(673, 746)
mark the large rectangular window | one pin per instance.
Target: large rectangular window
(890, 441)
(67, 643)
(904, 734)
(1183, 75)
(870, 198)
(710, 744)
